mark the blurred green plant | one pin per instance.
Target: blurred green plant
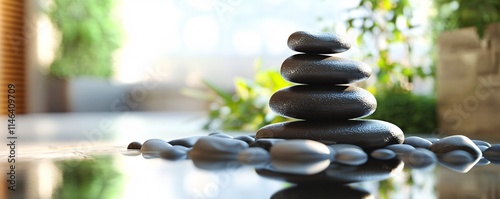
(381, 24)
(89, 36)
(247, 108)
(88, 178)
(455, 14)
(412, 113)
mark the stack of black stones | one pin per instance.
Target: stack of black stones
(328, 142)
(327, 105)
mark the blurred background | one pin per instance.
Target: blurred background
(222, 58)
(91, 76)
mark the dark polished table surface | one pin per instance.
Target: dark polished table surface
(84, 156)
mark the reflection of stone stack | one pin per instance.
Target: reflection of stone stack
(326, 104)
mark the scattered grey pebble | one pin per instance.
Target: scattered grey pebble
(219, 134)
(432, 140)
(254, 156)
(399, 149)
(420, 158)
(245, 138)
(482, 148)
(481, 143)
(187, 141)
(457, 157)
(154, 145)
(493, 153)
(417, 142)
(300, 168)
(215, 148)
(177, 152)
(151, 155)
(266, 143)
(134, 145)
(456, 142)
(341, 146)
(300, 151)
(351, 156)
(383, 154)
(482, 162)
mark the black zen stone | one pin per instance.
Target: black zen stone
(367, 134)
(245, 138)
(493, 153)
(401, 148)
(372, 170)
(323, 102)
(383, 154)
(351, 156)
(219, 134)
(317, 43)
(255, 156)
(187, 142)
(265, 143)
(420, 158)
(154, 146)
(300, 151)
(481, 143)
(321, 191)
(134, 145)
(320, 69)
(456, 142)
(417, 142)
(216, 148)
(177, 152)
(457, 157)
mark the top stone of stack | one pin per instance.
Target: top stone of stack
(317, 43)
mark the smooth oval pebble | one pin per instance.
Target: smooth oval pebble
(254, 156)
(219, 134)
(482, 162)
(215, 148)
(334, 147)
(383, 154)
(482, 148)
(299, 151)
(134, 145)
(302, 168)
(417, 142)
(367, 134)
(187, 141)
(432, 140)
(266, 143)
(175, 153)
(456, 142)
(341, 146)
(154, 145)
(457, 157)
(421, 158)
(481, 143)
(493, 153)
(245, 138)
(401, 148)
(351, 156)
(323, 102)
(317, 43)
(320, 69)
